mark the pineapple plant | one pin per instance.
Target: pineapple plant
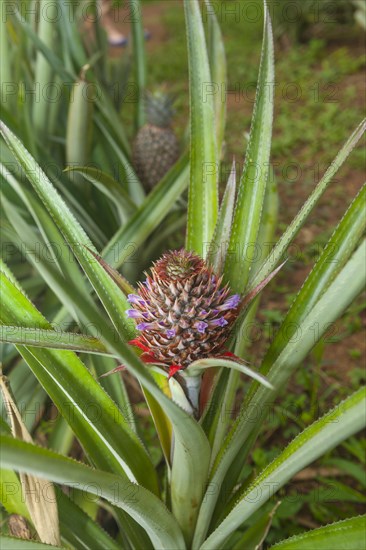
(156, 147)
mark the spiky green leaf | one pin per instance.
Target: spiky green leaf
(349, 534)
(204, 167)
(252, 187)
(138, 502)
(346, 419)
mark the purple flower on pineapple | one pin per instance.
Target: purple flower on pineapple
(145, 326)
(231, 303)
(220, 322)
(135, 299)
(133, 314)
(201, 326)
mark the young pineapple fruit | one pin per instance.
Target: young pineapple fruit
(183, 311)
(156, 147)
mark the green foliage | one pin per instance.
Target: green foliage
(206, 485)
(344, 535)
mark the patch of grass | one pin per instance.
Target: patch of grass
(311, 84)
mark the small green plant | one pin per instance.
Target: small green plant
(179, 335)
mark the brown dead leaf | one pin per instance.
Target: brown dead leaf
(18, 527)
(39, 494)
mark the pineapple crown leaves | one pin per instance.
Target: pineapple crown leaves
(159, 108)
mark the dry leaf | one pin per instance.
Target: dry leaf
(39, 494)
(18, 527)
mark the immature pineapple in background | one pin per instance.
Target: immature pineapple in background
(156, 147)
